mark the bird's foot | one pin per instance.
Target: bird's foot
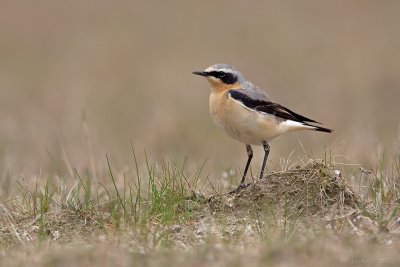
(262, 176)
(240, 187)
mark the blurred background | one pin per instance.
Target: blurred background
(79, 79)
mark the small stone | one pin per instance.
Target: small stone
(56, 235)
(176, 228)
(199, 232)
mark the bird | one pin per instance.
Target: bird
(247, 114)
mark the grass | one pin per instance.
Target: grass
(307, 212)
(123, 202)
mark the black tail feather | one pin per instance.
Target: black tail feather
(299, 117)
(322, 129)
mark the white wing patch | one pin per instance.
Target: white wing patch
(294, 125)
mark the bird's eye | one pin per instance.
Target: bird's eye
(222, 74)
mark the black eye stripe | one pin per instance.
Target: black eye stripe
(217, 74)
(228, 78)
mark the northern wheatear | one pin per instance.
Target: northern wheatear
(246, 113)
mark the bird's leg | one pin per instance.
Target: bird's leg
(266, 150)
(250, 156)
(242, 184)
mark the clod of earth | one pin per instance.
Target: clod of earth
(314, 190)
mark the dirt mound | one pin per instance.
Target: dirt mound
(315, 189)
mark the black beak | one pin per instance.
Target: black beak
(201, 73)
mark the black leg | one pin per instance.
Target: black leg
(242, 184)
(266, 150)
(250, 156)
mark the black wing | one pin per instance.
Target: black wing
(268, 107)
(263, 105)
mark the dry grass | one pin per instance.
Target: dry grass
(308, 214)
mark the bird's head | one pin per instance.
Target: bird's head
(221, 76)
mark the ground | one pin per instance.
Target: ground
(308, 215)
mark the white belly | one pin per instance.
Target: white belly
(247, 126)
